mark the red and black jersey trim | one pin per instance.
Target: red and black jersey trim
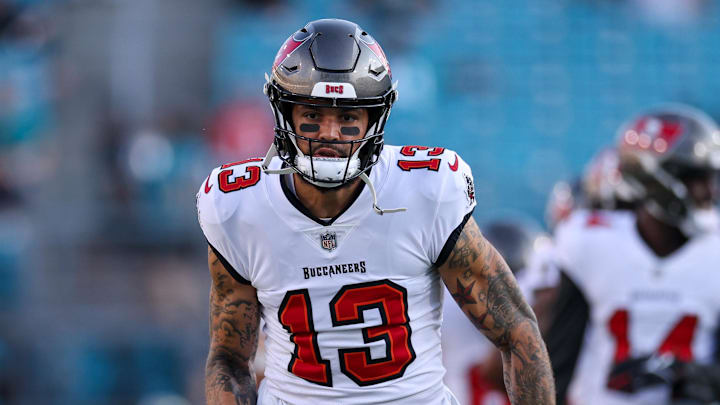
(230, 269)
(452, 240)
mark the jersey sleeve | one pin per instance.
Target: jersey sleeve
(569, 253)
(565, 336)
(455, 204)
(541, 273)
(214, 211)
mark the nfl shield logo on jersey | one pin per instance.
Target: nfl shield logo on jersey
(328, 240)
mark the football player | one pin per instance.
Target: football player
(564, 197)
(339, 243)
(637, 310)
(602, 184)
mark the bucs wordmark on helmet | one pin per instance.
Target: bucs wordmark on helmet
(660, 147)
(329, 63)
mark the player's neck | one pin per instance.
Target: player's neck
(325, 203)
(661, 238)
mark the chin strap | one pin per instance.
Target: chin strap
(377, 209)
(271, 153)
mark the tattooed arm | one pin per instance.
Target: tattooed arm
(234, 322)
(483, 286)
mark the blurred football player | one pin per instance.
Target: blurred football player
(564, 197)
(340, 243)
(600, 188)
(637, 310)
(602, 184)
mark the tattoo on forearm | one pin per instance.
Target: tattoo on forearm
(226, 373)
(234, 324)
(528, 370)
(488, 294)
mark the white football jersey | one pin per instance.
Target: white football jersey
(541, 272)
(640, 304)
(352, 306)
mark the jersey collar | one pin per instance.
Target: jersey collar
(288, 207)
(292, 199)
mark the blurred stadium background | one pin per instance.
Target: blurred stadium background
(113, 112)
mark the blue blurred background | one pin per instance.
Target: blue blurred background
(113, 112)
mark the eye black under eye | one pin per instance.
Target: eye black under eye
(350, 130)
(309, 127)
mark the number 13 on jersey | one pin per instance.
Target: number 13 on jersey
(347, 308)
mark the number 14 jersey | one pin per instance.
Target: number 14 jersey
(352, 305)
(639, 304)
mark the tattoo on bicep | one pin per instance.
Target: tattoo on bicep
(233, 320)
(500, 300)
(463, 295)
(504, 300)
(234, 324)
(226, 328)
(463, 254)
(212, 257)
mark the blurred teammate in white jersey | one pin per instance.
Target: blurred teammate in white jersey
(339, 243)
(638, 304)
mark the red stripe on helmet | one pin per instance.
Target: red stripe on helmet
(375, 47)
(669, 131)
(288, 47)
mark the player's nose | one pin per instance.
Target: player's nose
(330, 129)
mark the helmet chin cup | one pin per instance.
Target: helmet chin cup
(700, 221)
(327, 172)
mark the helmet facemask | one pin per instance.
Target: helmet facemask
(330, 63)
(328, 172)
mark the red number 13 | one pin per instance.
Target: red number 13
(347, 308)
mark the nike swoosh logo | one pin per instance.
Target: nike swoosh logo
(454, 166)
(207, 187)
